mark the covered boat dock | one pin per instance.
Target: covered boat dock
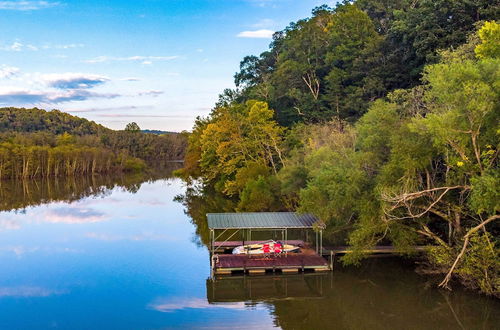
(229, 230)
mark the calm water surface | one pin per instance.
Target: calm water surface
(121, 254)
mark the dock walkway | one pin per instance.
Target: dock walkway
(385, 249)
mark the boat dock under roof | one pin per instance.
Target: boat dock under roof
(230, 224)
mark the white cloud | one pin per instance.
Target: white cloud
(26, 5)
(68, 46)
(153, 93)
(7, 72)
(130, 79)
(18, 46)
(263, 33)
(44, 89)
(19, 96)
(62, 46)
(143, 59)
(72, 80)
(118, 108)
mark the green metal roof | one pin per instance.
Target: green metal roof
(271, 220)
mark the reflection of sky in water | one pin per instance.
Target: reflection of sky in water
(119, 261)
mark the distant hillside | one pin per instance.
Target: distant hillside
(55, 122)
(46, 135)
(157, 132)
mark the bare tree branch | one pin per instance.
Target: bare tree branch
(444, 283)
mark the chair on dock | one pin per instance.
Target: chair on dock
(266, 249)
(278, 249)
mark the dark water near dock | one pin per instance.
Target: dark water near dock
(119, 253)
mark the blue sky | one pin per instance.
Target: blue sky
(159, 63)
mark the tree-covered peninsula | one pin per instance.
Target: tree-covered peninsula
(379, 117)
(39, 143)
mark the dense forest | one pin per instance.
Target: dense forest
(379, 117)
(39, 143)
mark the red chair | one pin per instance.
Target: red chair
(266, 248)
(278, 249)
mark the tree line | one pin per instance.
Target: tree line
(385, 126)
(38, 143)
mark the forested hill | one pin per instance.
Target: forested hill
(35, 142)
(55, 122)
(336, 62)
(378, 116)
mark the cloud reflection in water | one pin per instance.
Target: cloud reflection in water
(172, 304)
(28, 291)
(71, 215)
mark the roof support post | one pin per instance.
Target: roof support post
(212, 241)
(321, 242)
(316, 241)
(212, 263)
(227, 239)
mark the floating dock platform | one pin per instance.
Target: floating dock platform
(227, 264)
(230, 224)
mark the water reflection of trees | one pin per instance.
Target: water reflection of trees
(381, 294)
(19, 194)
(384, 294)
(200, 201)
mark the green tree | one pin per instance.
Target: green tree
(239, 135)
(132, 127)
(438, 185)
(490, 41)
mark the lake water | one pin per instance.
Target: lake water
(120, 253)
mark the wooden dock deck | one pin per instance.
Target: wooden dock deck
(291, 263)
